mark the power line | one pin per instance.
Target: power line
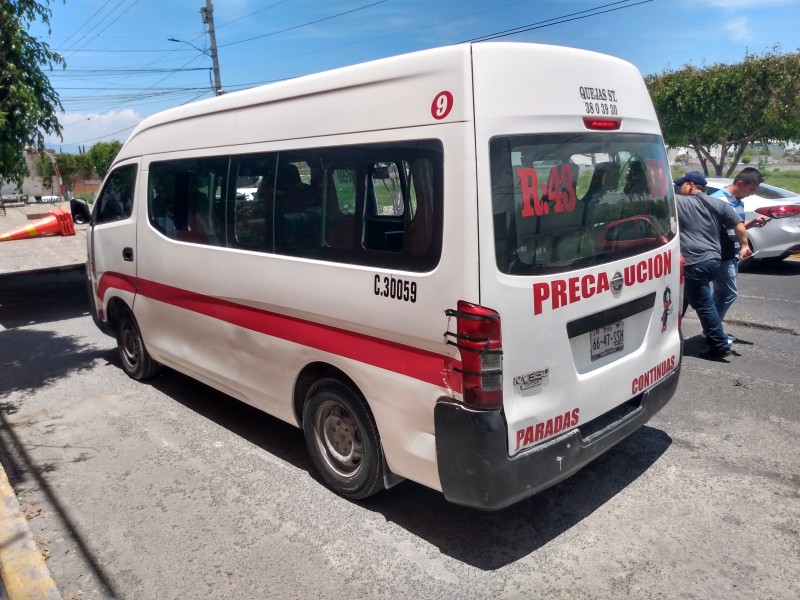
(260, 10)
(110, 51)
(85, 23)
(392, 34)
(347, 12)
(101, 21)
(154, 94)
(558, 20)
(538, 25)
(123, 71)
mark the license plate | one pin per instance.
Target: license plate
(607, 340)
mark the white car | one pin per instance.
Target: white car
(780, 237)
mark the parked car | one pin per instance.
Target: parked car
(638, 233)
(780, 237)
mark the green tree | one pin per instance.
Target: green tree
(729, 106)
(102, 154)
(43, 165)
(73, 167)
(28, 103)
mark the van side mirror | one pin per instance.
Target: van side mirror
(81, 213)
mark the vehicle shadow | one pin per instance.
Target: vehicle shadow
(265, 431)
(783, 268)
(36, 298)
(492, 540)
(486, 540)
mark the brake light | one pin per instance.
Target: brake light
(780, 212)
(478, 339)
(680, 296)
(602, 124)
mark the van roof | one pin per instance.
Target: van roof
(388, 93)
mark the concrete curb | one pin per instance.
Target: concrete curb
(23, 569)
(33, 277)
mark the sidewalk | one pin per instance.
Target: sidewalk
(49, 253)
(24, 572)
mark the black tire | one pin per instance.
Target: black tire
(342, 439)
(136, 361)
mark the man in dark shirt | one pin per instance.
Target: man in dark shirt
(699, 218)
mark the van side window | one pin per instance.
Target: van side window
(377, 205)
(340, 207)
(186, 199)
(298, 208)
(420, 233)
(252, 210)
(385, 226)
(116, 200)
(374, 205)
(388, 188)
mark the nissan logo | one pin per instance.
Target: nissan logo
(616, 283)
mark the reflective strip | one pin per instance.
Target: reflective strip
(430, 367)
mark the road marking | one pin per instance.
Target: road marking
(788, 300)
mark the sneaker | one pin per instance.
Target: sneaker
(713, 355)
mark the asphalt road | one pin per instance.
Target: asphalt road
(172, 490)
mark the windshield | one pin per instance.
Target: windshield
(567, 201)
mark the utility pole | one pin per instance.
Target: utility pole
(207, 15)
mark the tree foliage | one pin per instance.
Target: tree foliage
(102, 154)
(730, 106)
(43, 165)
(28, 103)
(73, 167)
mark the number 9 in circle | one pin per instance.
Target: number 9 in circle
(442, 105)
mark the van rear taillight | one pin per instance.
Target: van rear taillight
(602, 124)
(478, 339)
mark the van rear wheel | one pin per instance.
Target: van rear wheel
(343, 440)
(136, 361)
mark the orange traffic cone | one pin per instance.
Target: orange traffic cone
(58, 221)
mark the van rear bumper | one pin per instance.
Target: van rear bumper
(472, 450)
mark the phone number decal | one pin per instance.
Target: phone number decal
(599, 101)
(395, 288)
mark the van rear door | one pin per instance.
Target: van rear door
(586, 267)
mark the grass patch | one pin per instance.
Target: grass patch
(788, 180)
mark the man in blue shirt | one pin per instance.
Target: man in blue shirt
(700, 218)
(724, 285)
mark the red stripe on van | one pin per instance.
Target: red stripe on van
(119, 281)
(436, 369)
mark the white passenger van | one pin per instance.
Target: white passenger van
(456, 266)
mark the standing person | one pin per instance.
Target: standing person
(725, 290)
(700, 218)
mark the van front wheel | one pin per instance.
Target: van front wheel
(343, 440)
(136, 361)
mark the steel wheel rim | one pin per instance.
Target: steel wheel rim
(128, 346)
(338, 438)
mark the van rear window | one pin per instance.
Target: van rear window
(569, 201)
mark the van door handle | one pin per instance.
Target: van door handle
(127, 254)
